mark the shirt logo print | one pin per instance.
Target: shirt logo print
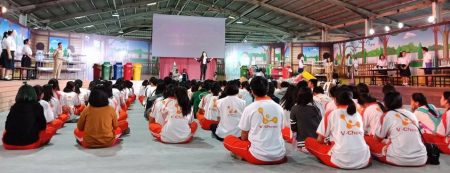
(405, 121)
(349, 123)
(266, 117)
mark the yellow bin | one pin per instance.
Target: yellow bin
(307, 75)
(137, 68)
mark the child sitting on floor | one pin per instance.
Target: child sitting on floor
(70, 100)
(51, 120)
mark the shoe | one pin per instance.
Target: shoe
(127, 131)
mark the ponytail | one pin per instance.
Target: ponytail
(183, 100)
(422, 100)
(344, 96)
(77, 89)
(351, 109)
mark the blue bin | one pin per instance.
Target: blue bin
(118, 70)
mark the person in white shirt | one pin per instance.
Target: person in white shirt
(178, 126)
(82, 96)
(7, 56)
(287, 102)
(56, 100)
(371, 113)
(261, 141)
(330, 106)
(151, 87)
(397, 139)
(382, 64)
(427, 115)
(203, 60)
(279, 93)
(427, 64)
(301, 62)
(230, 111)
(442, 139)
(244, 94)
(319, 96)
(403, 65)
(210, 107)
(52, 120)
(346, 148)
(26, 57)
(141, 94)
(106, 86)
(69, 100)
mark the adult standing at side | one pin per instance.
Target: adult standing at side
(204, 60)
(57, 61)
(427, 64)
(7, 56)
(26, 56)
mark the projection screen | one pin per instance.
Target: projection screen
(188, 36)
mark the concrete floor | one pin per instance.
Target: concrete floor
(140, 153)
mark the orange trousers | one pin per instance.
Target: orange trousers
(156, 128)
(79, 135)
(64, 117)
(205, 123)
(123, 125)
(241, 149)
(141, 99)
(56, 123)
(376, 148)
(79, 109)
(320, 151)
(287, 134)
(44, 137)
(441, 142)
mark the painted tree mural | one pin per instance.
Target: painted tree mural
(384, 40)
(445, 35)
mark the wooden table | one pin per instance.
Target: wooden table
(373, 78)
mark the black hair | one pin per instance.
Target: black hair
(388, 88)
(327, 56)
(183, 100)
(446, 96)
(39, 91)
(285, 84)
(425, 49)
(354, 90)
(422, 100)
(271, 90)
(98, 97)
(207, 85)
(300, 55)
(231, 89)
(400, 54)
(275, 83)
(26, 41)
(216, 89)
(55, 84)
(5, 34)
(393, 100)
(344, 96)
(168, 81)
(78, 85)
(366, 98)
(59, 43)
(259, 86)
(362, 88)
(26, 93)
(153, 81)
(169, 91)
(318, 90)
(160, 87)
(381, 55)
(48, 92)
(92, 85)
(302, 84)
(304, 96)
(194, 86)
(314, 82)
(145, 83)
(69, 87)
(332, 91)
(290, 98)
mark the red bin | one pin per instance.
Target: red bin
(128, 71)
(97, 71)
(287, 72)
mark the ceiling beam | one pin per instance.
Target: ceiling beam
(255, 6)
(107, 9)
(44, 5)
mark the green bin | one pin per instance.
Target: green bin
(244, 71)
(106, 71)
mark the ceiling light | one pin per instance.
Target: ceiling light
(231, 17)
(4, 9)
(387, 28)
(115, 15)
(431, 19)
(371, 31)
(90, 26)
(245, 40)
(400, 25)
(150, 4)
(239, 22)
(120, 32)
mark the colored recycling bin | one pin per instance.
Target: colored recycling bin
(137, 68)
(97, 68)
(118, 71)
(244, 71)
(106, 71)
(127, 71)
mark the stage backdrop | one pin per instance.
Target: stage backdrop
(190, 64)
(22, 34)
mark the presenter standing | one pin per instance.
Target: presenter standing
(57, 61)
(204, 60)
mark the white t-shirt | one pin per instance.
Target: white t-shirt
(212, 110)
(330, 106)
(300, 62)
(428, 121)
(156, 111)
(70, 99)
(350, 150)
(371, 118)
(245, 95)
(56, 107)
(114, 104)
(204, 102)
(149, 90)
(11, 43)
(264, 121)
(176, 127)
(48, 112)
(5, 43)
(426, 59)
(230, 112)
(118, 96)
(26, 50)
(406, 147)
(84, 95)
(322, 99)
(382, 63)
(204, 60)
(443, 128)
(142, 90)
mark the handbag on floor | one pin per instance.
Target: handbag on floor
(433, 152)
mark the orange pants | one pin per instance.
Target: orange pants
(130, 101)
(44, 138)
(156, 128)
(56, 123)
(79, 109)
(376, 148)
(320, 151)
(241, 149)
(123, 125)
(122, 115)
(441, 142)
(141, 99)
(79, 135)
(63, 117)
(287, 134)
(205, 123)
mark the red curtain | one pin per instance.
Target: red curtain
(190, 64)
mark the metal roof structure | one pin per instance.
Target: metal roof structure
(259, 21)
